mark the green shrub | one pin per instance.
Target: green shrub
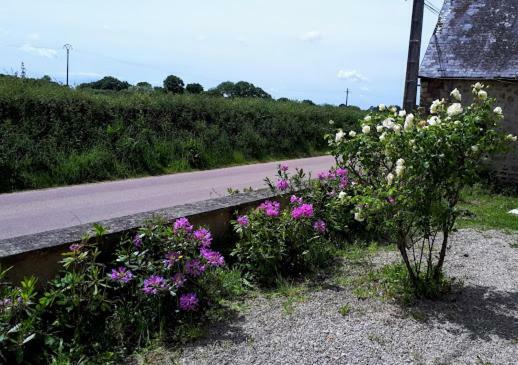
(52, 135)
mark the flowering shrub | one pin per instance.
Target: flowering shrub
(163, 275)
(276, 242)
(409, 170)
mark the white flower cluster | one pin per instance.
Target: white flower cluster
(400, 167)
(478, 91)
(437, 106)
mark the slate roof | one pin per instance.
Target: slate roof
(474, 39)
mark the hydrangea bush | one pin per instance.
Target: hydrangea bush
(408, 172)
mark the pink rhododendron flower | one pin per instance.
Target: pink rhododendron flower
(304, 210)
(282, 184)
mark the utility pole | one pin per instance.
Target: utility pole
(347, 97)
(414, 54)
(68, 47)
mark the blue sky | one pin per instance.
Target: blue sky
(299, 49)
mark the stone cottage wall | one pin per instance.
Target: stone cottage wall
(506, 92)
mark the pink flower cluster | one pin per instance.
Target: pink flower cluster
(296, 200)
(303, 210)
(203, 236)
(214, 258)
(320, 226)
(271, 209)
(121, 274)
(243, 220)
(182, 224)
(189, 302)
(339, 173)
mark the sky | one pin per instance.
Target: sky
(300, 49)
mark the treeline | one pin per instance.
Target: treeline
(52, 135)
(175, 85)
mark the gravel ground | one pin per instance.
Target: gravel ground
(477, 324)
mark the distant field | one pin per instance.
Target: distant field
(52, 135)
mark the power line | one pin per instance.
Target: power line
(68, 47)
(430, 6)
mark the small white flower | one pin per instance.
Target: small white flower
(482, 95)
(498, 110)
(339, 136)
(331, 122)
(379, 128)
(454, 109)
(402, 113)
(358, 216)
(400, 170)
(397, 128)
(342, 195)
(352, 134)
(511, 138)
(474, 148)
(390, 178)
(456, 95)
(367, 118)
(478, 86)
(382, 107)
(383, 136)
(366, 129)
(393, 109)
(434, 120)
(409, 122)
(436, 105)
(388, 123)
(400, 162)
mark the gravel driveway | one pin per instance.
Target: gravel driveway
(477, 324)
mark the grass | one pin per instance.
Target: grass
(484, 210)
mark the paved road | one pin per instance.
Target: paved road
(37, 211)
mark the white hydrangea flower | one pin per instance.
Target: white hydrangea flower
(397, 128)
(342, 195)
(456, 95)
(331, 122)
(383, 136)
(393, 109)
(366, 129)
(474, 148)
(400, 162)
(382, 107)
(498, 110)
(511, 138)
(379, 128)
(400, 170)
(454, 109)
(367, 118)
(402, 113)
(339, 136)
(352, 134)
(390, 178)
(409, 122)
(482, 95)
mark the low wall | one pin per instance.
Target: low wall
(39, 254)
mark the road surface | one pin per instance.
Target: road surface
(36, 211)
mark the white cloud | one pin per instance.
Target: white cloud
(351, 75)
(33, 36)
(312, 36)
(85, 74)
(39, 51)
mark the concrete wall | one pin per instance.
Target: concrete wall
(39, 254)
(505, 167)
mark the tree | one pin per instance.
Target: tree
(173, 84)
(106, 83)
(283, 100)
(308, 102)
(194, 88)
(241, 89)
